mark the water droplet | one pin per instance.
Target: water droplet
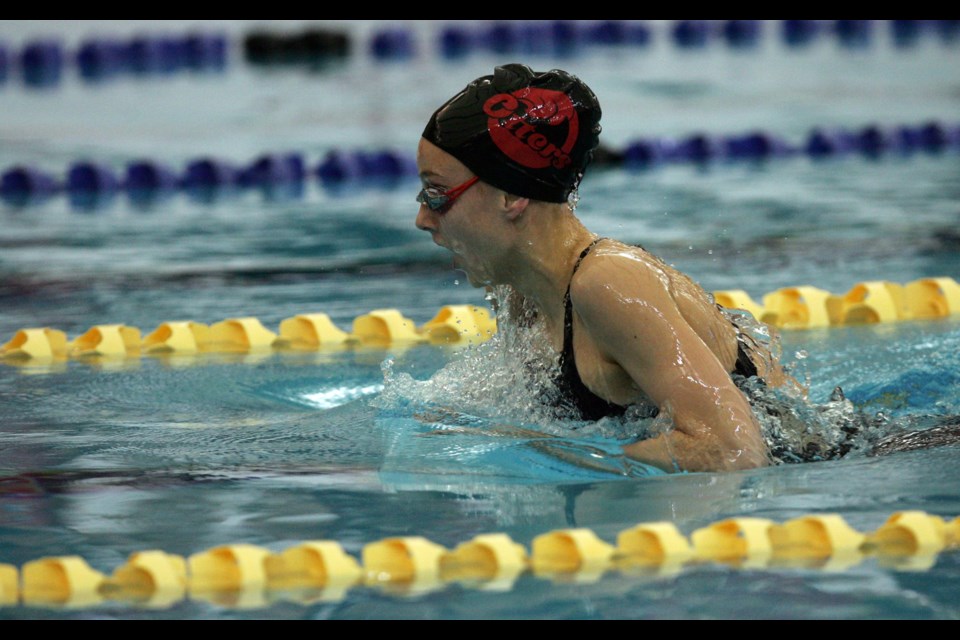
(456, 283)
(801, 355)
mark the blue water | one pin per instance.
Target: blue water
(102, 459)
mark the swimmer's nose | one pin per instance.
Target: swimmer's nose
(426, 219)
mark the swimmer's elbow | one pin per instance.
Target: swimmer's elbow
(678, 452)
(744, 459)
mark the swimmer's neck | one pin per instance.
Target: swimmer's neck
(548, 243)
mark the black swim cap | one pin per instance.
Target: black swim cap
(530, 134)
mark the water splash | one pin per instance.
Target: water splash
(795, 428)
(504, 389)
(500, 379)
(510, 377)
(506, 386)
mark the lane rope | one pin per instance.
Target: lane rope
(89, 182)
(248, 576)
(789, 308)
(41, 61)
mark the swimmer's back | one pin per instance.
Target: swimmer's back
(695, 305)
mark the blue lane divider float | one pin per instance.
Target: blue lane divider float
(286, 174)
(4, 62)
(560, 36)
(690, 33)
(42, 61)
(349, 167)
(854, 32)
(874, 140)
(457, 39)
(101, 58)
(91, 176)
(800, 32)
(24, 185)
(106, 57)
(275, 169)
(146, 176)
(393, 44)
(871, 140)
(210, 173)
(742, 33)
(948, 30)
(88, 183)
(540, 37)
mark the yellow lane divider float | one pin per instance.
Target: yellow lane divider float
(248, 576)
(491, 559)
(876, 301)
(455, 324)
(9, 584)
(37, 344)
(803, 307)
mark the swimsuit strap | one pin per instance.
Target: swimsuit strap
(567, 306)
(745, 366)
(589, 404)
(576, 265)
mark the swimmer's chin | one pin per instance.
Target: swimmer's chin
(475, 283)
(473, 280)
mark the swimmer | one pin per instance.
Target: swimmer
(501, 163)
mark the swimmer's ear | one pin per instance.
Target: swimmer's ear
(514, 206)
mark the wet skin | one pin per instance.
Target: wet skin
(642, 330)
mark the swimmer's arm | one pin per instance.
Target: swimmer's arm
(636, 324)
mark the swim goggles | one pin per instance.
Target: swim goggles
(440, 200)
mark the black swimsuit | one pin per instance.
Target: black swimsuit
(576, 398)
(574, 392)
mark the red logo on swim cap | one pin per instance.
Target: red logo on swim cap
(525, 126)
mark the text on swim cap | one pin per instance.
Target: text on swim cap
(525, 125)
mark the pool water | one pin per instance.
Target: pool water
(104, 458)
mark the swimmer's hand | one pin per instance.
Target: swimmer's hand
(454, 422)
(592, 458)
(495, 431)
(443, 415)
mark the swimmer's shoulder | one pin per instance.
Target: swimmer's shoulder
(617, 267)
(616, 275)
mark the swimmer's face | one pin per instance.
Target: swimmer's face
(462, 225)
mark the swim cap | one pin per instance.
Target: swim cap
(530, 134)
